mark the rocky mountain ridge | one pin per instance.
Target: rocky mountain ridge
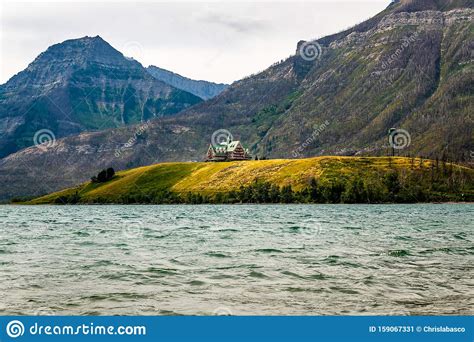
(81, 85)
(204, 89)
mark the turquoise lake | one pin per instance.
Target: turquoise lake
(237, 259)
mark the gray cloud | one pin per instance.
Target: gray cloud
(238, 24)
(216, 41)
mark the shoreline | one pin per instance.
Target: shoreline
(231, 204)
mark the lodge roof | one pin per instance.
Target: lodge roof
(226, 147)
(227, 151)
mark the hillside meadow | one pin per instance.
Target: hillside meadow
(311, 180)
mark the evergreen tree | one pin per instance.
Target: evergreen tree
(313, 190)
(287, 194)
(392, 183)
(354, 192)
(102, 176)
(110, 173)
(274, 194)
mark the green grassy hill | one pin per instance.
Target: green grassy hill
(320, 179)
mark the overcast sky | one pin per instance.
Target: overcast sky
(215, 41)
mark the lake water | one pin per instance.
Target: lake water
(240, 260)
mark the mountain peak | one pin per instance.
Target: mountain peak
(85, 48)
(79, 85)
(86, 41)
(60, 60)
(99, 38)
(429, 5)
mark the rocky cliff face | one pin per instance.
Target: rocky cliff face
(410, 71)
(81, 85)
(204, 89)
(410, 67)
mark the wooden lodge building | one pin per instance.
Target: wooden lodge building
(228, 151)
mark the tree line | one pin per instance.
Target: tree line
(442, 184)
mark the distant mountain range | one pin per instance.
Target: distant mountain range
(85, 85)
(409, 68)
(204, 89)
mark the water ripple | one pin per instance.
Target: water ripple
(252, 259)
